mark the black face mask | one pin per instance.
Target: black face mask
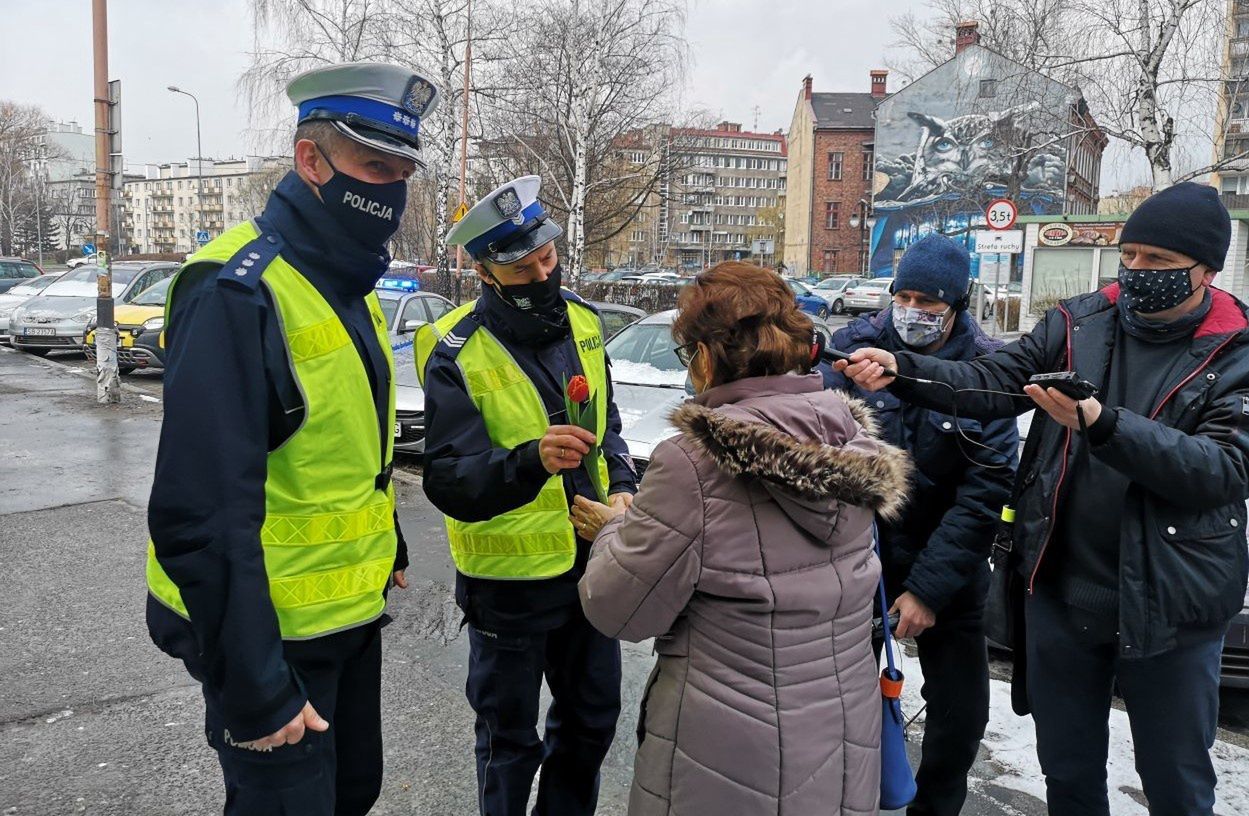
(368, 212)
(541, 299)
(1149, 291)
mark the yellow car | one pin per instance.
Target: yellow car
(140, 330)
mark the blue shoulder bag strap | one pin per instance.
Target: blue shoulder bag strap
(897, 781)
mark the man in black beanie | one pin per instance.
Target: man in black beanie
(1128, 538)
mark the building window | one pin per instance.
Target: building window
(835, 161)
(830, 262)
(988, 88)
(868, 165)
(831, 209)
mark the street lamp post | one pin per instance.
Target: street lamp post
(863, 221)
(199, 162)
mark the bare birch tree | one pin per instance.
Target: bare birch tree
(20, 126)
(585, 75)
(1152, 71)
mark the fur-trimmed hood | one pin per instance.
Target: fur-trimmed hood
(863, 472)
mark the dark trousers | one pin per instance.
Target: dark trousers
(1172, 702)
(955, 662)
(505, 671)
(333, 773)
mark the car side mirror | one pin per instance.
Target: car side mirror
(411, 326)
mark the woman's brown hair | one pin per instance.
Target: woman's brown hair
(748, 319)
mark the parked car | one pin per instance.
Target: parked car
(649, 382)
(808, 300)
(612, 276)
(89, 260)
(19, 294)
(615, 317)
(140, 324)
(868, 296)
(16, 270)
(1007, 291)
(833, 290)
(409, 403)
(406, 307)
(57, 318)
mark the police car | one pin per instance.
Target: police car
(406, 307)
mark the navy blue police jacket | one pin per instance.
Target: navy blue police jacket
(231, 398)
(469, 479)
(940, 546)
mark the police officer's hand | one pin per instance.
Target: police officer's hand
(563, 446)
(293, 731)
(867, 368)
(622, 501)
(914, 616)
(400, 580)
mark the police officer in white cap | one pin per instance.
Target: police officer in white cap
(504, 463)
(274, 534)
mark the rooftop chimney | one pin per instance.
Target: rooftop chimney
(880, 84)
(806, 87)
(966, 33)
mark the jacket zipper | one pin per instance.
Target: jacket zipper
(1062, 474)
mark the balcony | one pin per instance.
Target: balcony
(162, 210)
(1236, 201)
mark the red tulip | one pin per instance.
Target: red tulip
(578, 389)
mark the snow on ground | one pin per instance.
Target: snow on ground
(1011, 743)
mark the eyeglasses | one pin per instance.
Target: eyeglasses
(685, 352)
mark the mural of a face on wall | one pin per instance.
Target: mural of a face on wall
(966, 155)
(936, 172)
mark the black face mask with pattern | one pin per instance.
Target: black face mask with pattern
(1149, 291)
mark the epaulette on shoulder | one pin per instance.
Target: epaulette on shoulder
(452, 342)
(245, 267)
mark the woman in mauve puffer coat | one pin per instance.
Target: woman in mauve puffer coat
(748, 555)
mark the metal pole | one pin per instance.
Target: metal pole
(39, 208)
(468, 62)
(199, 164)
(108, 384)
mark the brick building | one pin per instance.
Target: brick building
(831, 140)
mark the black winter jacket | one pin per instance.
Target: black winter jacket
(940, 545)
(1183, 557)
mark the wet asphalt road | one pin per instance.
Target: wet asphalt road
(93, 719)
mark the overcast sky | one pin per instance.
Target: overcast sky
(746, 53)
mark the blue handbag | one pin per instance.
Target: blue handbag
(897, 781)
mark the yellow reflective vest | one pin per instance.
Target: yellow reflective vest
(536, 540)
(329, 533)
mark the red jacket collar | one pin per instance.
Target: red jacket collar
(1226, 315)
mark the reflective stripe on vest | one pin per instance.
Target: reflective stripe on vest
(328, 535)
(536, 540)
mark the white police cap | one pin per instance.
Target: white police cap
(376, 104)
(507, 224)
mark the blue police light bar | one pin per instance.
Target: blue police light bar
(402, 284)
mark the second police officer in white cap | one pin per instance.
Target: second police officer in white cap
(272, 515)
(504, 464)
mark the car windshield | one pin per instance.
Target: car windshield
(390, 305)
(835, 284)
(33, 287)
(17, 269)
(878, 283)
(642, 355)
(80, 282)
(154, 295)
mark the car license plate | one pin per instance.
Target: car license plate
(398, 430)
(39, 331)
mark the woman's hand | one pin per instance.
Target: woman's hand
(588, 516)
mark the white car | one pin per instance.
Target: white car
(833, 290)
(869, 296)
(18, 295)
